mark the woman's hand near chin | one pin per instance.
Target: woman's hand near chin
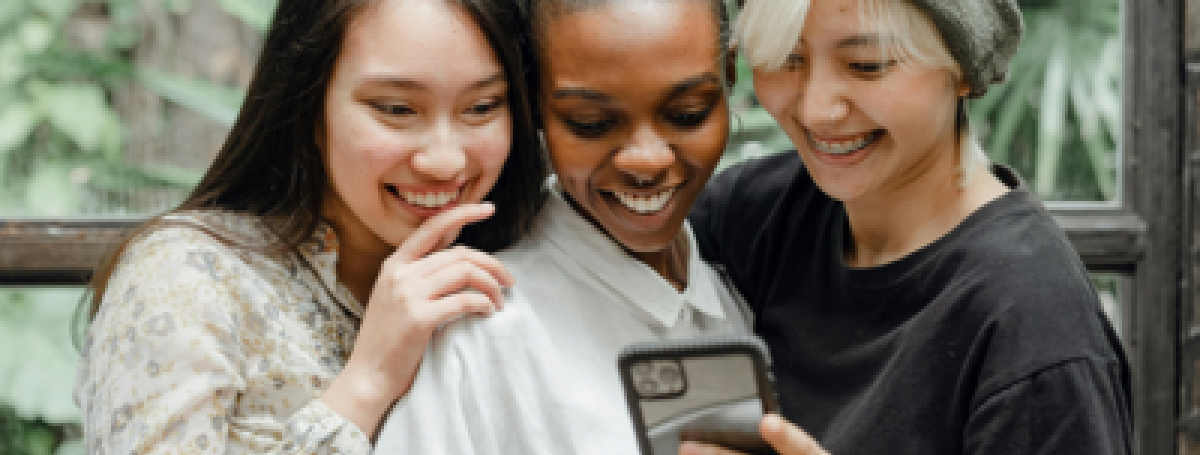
(786, 438)
(419, 288)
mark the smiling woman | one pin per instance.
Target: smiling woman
(634, 115)
(915, 299)
(286, 304)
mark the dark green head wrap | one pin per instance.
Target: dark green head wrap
(982, 36)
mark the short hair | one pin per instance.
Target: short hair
(767, 31)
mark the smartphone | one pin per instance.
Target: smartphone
(712, 390)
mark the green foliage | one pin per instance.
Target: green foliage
(37, 370)
(1058, 118)
(62, 142)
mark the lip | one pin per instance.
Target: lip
(425, 212)
(641, 222)
(845, 160)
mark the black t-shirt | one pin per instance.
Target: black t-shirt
(988, 341)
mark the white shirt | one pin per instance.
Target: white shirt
(540, 376)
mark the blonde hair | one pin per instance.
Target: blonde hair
(767, 31)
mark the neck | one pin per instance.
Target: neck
(894, 222)
(357, 269)
(670, 263)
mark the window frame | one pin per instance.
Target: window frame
(1141, 236)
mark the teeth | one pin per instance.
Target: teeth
(644, 204)
(843, 147)
(429, 200)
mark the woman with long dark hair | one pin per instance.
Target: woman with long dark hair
(286, 303)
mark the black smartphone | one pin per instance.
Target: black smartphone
(712, 390)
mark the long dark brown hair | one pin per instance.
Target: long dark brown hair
(270, 166)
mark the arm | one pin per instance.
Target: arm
(165, 365)
(1079, 406)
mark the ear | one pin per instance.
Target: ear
(964, 89)
(731, 66)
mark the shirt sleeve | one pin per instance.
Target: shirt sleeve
(442, 411)
(1076, 407)
(164, 367)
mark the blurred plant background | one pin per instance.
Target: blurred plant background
(114, 108)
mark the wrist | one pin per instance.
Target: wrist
(361, 398)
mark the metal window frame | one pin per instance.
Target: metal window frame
(1142, 236)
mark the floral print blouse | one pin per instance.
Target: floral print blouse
(205, 346)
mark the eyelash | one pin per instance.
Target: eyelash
(590, 130)
(486, 108)
(794, 62)
(873, 68)
(690, 119)
(393, 109)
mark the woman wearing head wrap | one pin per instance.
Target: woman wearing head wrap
(916, 299)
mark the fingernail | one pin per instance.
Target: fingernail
(771, 423)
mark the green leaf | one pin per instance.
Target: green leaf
(17, 121)
(13, 56)
(215, 101)
(79, 110)
(35, 35)
(1052, 115)
(50, 191)
(255, 13)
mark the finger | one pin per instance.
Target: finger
(428, 265)
(455, 278)
(438, 231)
(455, 305)
(697, 448)
(788, 439)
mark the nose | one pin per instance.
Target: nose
(822, 98)
(646, 157)
(443, 155)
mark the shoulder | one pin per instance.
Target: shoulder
(1030, 292)
(756, 180)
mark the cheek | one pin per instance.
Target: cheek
(774, 91)
(490, 147)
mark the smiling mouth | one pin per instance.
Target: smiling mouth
(845, 147)
(427, 199)
(644, 204)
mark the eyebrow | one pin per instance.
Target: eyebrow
(693, 82)
(598, 96)
(413, 84)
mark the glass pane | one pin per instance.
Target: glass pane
(1112, 289)
(1057, 119)
(37, 371)
(117, 106)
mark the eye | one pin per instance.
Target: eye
(393, 109)
(590, 128)
(689, 118)
(873, 68)
(486, 106)
(793, 62)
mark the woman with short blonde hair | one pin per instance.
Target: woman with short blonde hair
(916, 299)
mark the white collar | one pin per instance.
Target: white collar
(605, 260)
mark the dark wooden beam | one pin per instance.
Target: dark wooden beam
(1152, 145)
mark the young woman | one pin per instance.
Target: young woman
(285, 305)
(916, 300)
(633, 110)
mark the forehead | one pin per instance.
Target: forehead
(632, 39)
(413, 38)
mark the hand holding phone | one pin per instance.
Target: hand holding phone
(713, 390)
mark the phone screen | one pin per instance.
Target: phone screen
(711, 396)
